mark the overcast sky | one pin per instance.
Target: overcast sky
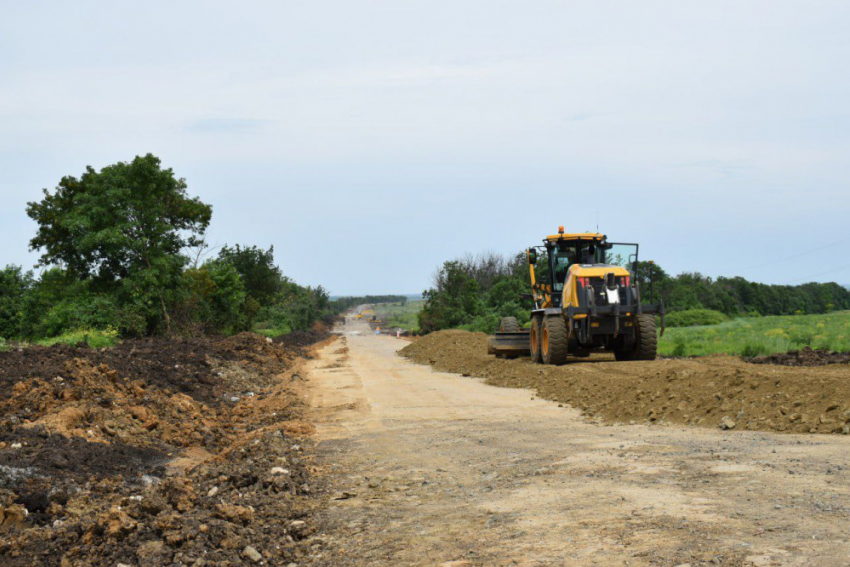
(370, 141)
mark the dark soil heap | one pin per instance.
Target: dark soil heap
(154, 452)
(804, 357)
(318, 333)
(712, 391)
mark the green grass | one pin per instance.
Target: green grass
(94, 338)
(267, 329)
(272, 332)
(754, 336)
(404, 316)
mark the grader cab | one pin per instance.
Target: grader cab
(586, 297)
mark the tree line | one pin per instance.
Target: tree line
(123, 249)
(341, 304)
(473, 292)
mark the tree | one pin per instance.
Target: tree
(262, 279)
(453, 301)
(123, 227)
(215, 298)
(14, 285)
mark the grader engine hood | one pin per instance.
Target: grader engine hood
(594, 276)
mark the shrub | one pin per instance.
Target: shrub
(680, 350)
(695, 317)
(214, 299)
(802, 337)
(86, 311)
(753, 349)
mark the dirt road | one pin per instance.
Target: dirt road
(433, 467)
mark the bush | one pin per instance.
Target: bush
(680, 350)
(753, 349)
(695, 317)
(86, 311)
(802, 337)
(214, 299)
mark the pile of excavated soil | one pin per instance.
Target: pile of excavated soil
(318, 333)
(804, 357)
(155, 452)
(712, 391)
(187, 366)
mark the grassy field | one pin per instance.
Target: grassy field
(754, 336)
(400, 315)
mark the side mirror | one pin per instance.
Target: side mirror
(532, 256)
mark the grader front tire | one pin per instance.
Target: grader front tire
(534, 338)
(553, 340)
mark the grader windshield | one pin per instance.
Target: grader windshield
(565, 253)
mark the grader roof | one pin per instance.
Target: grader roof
(576, 236)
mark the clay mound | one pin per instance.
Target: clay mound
(804, 357)
(102, 464)
(256, 351)
(187, 366)
(452, 346)
(712, 391)
(97, 404)
(179, 365)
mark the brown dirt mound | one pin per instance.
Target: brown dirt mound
(712, 391)
(188, 366)
(257, 351)
(804, 357)
(97, 404)
(180, 365)
(320, 332)
(102, 465)
(211, 514)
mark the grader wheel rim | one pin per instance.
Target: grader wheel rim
(533, 337)
(545, 342)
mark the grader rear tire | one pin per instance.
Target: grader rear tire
(553, 340)
(646, 341)
(534, 338)
(509, 325)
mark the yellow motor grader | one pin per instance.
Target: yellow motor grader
(586, 297)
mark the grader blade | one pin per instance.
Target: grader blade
(510, 345)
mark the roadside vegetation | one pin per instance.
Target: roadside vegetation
(341, 304)
(758, 336)
(123, 255)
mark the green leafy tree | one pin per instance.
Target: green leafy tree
(214, 300)
(14, 286)
(261, 277)
(124, 228)
(453, 301)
